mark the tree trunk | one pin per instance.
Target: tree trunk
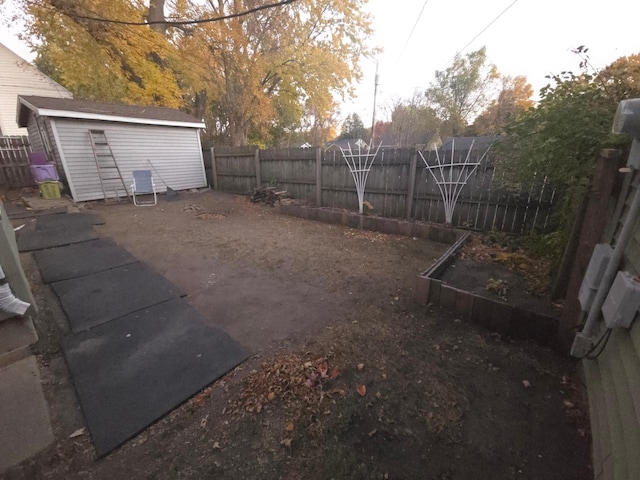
(239, 134)
(156, 14)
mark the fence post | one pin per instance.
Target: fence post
(318, 176)
(214, 171)
(412, 182)
(257, 161)
(597, 214)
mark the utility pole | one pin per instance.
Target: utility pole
(375, 95)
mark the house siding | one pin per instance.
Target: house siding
(613, 379)
(19, 77)
(174, 152)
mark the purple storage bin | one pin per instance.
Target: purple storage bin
(38, 158)
(43, 173)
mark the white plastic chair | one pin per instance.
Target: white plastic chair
(143, 185)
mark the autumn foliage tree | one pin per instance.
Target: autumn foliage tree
(253, 78)
(513, 99)
(102, 61)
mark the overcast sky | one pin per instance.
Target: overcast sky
(532, 38)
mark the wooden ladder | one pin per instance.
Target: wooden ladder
(106, 163)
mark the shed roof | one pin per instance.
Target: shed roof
(112, 112)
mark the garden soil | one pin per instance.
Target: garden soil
(347, 379)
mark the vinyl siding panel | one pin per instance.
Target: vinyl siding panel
(174, 151)
(34, 135)
(613, 379)
(19, 77)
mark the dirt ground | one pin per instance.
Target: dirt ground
(348, 378)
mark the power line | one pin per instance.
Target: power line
(176, 23)
(481, 32)
(414, 28)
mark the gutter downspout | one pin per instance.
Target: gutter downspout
(8, 302)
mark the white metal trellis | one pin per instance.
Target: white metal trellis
(360, 165)
(449, 184)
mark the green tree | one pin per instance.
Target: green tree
(462, 91)
(560, 138)
(353, 128)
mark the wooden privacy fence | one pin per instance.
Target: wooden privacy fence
(399, 186)
(14, 162)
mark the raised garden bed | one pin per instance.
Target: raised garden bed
(489, 293)
(392, 226)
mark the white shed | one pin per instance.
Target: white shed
(19, 77)
(140, 138)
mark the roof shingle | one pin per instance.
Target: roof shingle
(100, 109)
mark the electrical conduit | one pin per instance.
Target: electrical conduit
(612, 267)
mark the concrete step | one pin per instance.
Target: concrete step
(17, 334)
(24, 417)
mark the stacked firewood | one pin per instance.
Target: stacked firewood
(268, 195)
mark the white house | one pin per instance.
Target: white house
(163, 140)
(19, 77)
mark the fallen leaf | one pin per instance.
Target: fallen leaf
(203, 422)
(362, 390)
(289, 427)
(323, 368)
(334, 373)
(361, 366)
(308, 364)
(526, 383)
(78, 432)
(259, 408)
(372, 432)
(286, 442)
(568, 404)
(216, 446)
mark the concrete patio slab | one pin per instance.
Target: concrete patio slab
(24, 418)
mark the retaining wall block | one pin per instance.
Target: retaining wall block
(482, 311)
(421, 295)
(447, 296)
(463, 304)
(434, 291)
(501, 317)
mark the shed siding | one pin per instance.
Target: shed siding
(613, 379)
(174, 152)
(34, 135)
(19, 77)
